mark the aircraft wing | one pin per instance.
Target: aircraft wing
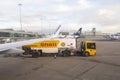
(7, 46)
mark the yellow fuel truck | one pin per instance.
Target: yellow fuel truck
(60, 46)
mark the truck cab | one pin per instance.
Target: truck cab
(88, 48)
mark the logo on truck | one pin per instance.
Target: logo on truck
(49, 44)
(62, 44)
(45, 44)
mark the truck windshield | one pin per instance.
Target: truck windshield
(91, 46)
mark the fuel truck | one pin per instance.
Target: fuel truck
(61, 47)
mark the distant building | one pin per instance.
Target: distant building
(12, 33)
(97, 33)
(9, 35)
(64, 33)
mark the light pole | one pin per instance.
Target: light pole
(20, 15)
(42, 23)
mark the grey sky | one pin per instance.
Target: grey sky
(46, 15)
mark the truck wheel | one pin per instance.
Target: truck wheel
(62, 54)
(65, 53)
(40, 52)
(94, 54)
(35, 54)
(86, 54)
(27, 50)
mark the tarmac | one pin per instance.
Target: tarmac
(104, 66)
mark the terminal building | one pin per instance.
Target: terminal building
(10, 35)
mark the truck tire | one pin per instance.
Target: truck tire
(65, 53)
(27, 50)
(94, 54)
(40, 52)
(35, 54)
(68, 53)
(86, 54)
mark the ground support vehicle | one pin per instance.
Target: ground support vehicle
(85, 47)
(62, 47)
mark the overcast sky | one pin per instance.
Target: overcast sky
(46, 15)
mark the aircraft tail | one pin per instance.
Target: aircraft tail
(78, 32)
(57, 31)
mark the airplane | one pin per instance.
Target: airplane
(74, 35)
(15, 45)
(78, 33)
(114, 36)
(55, 34)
